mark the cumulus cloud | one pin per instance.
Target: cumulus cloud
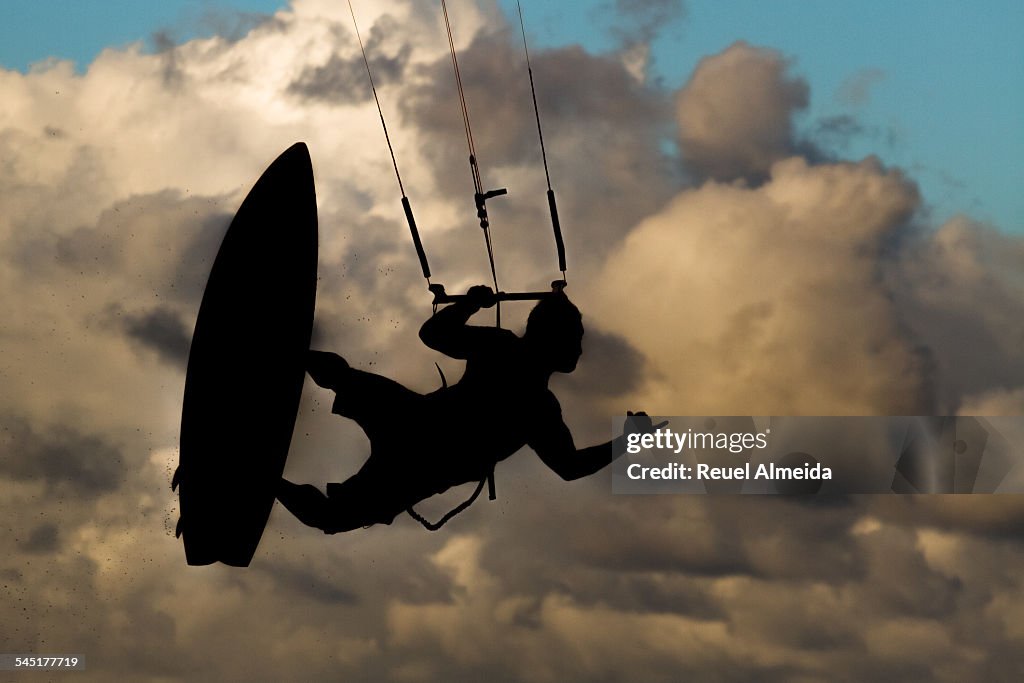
(777, 283)
(735, 114)
(602, 130)
(344, 79)
(776, 290)
(161, 330)
(944, 277)
(67, 462)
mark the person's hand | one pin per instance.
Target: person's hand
(481, 296)
(640, 423)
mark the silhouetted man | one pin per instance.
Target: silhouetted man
(422, 445)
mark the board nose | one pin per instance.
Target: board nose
(297, 153)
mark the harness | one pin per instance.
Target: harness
(434, 526)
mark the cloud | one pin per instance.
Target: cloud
(344, 79)
(165, 47)
(613, 367)
(639, 21)
(601, 128)
(995, 402)
(309, 585)
(161, 330)
(777, 281)
(68, 462)
(735, 114)
(960, 288)
(42, 539)
(768, 299)
(855, 91)
(758, 629)
(837, 131)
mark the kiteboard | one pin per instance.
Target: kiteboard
(246, 366)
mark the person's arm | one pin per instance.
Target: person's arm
(554, 445)
(571, 463)
(446, 331)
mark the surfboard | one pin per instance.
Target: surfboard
(246, 366)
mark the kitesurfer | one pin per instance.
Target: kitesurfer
(422, 445)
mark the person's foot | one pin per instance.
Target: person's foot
(326, 368)
(284, 487)
(305, 501)
(311, 507)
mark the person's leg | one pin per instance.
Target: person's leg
(327, 369)
(361, 396)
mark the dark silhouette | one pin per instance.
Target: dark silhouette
(257, 312)
(422, 445)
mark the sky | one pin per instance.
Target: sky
(932, 85)
(752, 228)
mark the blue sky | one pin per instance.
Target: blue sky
(943, 80)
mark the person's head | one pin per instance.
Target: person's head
(555, 330)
